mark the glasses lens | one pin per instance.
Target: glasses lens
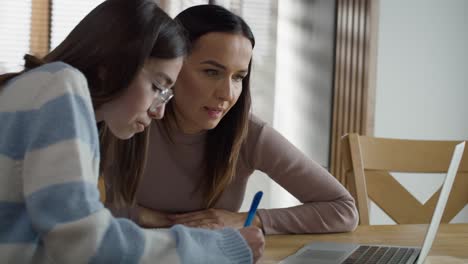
(166, 94)
(163, 97)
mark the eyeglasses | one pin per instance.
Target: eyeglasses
(163, 96)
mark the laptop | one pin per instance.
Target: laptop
(346, 253)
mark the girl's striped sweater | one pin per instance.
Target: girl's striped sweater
(49, 201)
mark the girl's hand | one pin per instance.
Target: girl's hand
(255, 239)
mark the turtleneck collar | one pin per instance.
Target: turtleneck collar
(178, 136)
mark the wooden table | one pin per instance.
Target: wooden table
(450, 245)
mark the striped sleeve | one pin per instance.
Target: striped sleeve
(60, 168)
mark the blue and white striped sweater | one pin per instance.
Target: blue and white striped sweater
(49, 201)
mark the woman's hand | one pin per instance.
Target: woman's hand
(255, 239)
(213, 219)
(210, 219)
(152, 219)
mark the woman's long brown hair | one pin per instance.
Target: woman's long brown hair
(225, 141)
(116, 38)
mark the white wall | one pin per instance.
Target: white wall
(304, 75)
(301, 85)
(303, 90)
(422, 79)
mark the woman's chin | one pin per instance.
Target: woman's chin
(211, 125)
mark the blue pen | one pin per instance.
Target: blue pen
(253, 208)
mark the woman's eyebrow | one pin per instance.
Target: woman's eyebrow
(218, 65)
(214, 63)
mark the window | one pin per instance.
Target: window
(15, 24)
(16, 21)
(65, 16)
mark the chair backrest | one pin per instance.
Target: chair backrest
(368, 162)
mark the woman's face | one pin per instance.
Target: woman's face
(130, 113)
(210, 81)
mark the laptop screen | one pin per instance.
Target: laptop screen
(444, 194)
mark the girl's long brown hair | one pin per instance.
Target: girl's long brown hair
(223, 142)
(116, 38)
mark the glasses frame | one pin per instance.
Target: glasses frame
(164, 94)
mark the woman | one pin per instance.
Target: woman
(115, 69)
(208, 145)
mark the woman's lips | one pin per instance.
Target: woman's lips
(214, 112)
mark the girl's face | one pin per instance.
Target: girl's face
(210, 81)
(130, 113)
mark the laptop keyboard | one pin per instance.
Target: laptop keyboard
(379, 255)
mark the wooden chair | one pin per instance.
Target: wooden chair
(368, 160)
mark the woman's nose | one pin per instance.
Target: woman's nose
(225, 91)
(157, 112)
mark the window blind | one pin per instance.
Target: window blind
(261, 17)
(65, 16)
(15, 24)
(174, 7)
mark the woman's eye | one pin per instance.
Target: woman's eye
(239, 78)
(211, 72)
(156, 88)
